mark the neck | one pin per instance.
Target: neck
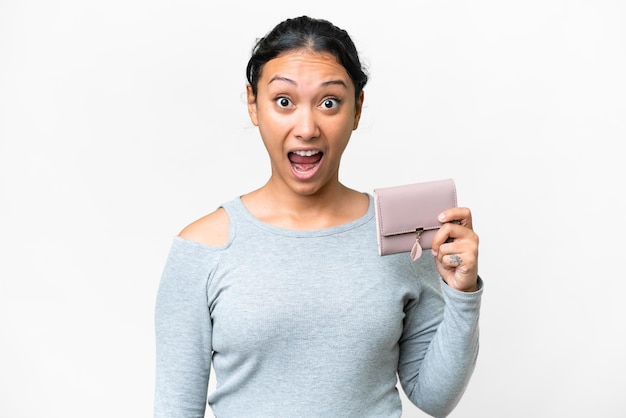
(333, 205)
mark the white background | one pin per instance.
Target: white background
(122, 121)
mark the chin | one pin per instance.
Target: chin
(305, 189)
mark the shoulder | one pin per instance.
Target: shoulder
(211, 229)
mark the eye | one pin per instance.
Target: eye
(283, 102)
(330, 103)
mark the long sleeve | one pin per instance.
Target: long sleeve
(183, 332)
(439, 347)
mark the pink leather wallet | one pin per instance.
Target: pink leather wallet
(406, 216)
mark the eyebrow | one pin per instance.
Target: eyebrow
(324, 84)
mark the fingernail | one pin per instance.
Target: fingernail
(442, 217)
(434, 252)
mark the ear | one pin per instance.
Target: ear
(359, 108)
(252, 105)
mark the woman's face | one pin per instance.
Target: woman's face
(305, 110)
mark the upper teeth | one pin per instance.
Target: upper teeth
(307, 153)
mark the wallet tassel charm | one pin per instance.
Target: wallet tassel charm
(416, 251)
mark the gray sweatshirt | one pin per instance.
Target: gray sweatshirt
(308, 324)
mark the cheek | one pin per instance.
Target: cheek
(272, 137)
(269, 118)
(342, 133)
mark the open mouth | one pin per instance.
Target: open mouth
(305, 161)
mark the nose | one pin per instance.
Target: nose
(306, 127)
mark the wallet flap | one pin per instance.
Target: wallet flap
(403, 209)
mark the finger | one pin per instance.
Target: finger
(453, 260)
(462, 215)
(460, 253)
(450, 261)
(449, 233)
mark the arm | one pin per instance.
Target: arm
(183, 332)
(439, 347)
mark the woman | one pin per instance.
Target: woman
(282, 289)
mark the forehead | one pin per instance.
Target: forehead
(305, 66)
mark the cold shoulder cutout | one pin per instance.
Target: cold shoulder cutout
(211, 230)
